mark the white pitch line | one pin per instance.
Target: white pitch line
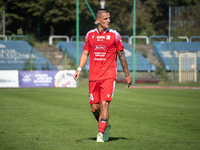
(29, 106)
(114, 106)
(131, 106)
(4, 107)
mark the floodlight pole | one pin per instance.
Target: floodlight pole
(38, 29)
(31, 63)
(172, 68)
(169, 30)
(90, 9)
(4, 22)
(65, 60)
(77, 33)
(134, 57)
(102, 3)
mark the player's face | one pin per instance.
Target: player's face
(103, 21)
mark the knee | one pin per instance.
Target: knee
(95, 108)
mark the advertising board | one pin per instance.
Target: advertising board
(50, 78)
(9, 79)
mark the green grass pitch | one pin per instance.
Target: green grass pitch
(60, 119)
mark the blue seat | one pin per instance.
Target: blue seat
(163, 52)
(70, 48)
(15, 53)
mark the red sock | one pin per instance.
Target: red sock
(102, 127)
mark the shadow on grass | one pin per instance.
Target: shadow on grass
(110, 138)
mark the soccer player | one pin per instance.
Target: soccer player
(103, 45)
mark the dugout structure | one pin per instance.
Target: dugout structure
(187, 67)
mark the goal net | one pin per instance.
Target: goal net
(187, 67)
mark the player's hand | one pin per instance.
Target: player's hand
(128, 80)
(76, 75)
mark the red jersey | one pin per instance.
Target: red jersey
(103, 48)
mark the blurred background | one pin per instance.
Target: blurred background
(163, 29)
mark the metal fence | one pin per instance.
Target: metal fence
(184, 21)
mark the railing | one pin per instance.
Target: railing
(73, 37)
(158, 36)
(4, 36)
(192, 37)
(148, 39)
(139, 37)
(126, 37)
(17, 36)
(130, 39)
(58, 37)
(180, 37)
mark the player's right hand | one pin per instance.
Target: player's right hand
(76, 75)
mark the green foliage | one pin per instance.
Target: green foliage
(43, 18)
(27, 64)
(144, 54)
(183, 2)
(175, 33)
(46, 66)
(160, 70)
(84, 74)
(10, 15)
(146, 31)
(160, 32)
(31, 39)
(20, 31)
(15, 38)
(71, 62)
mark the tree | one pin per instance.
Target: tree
(186, 22)
(51, 14)
(46, 17)
(10, 15)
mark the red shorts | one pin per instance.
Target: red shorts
(102, 90)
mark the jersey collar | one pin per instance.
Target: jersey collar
(107, 30)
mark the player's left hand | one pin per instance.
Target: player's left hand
(128, 80)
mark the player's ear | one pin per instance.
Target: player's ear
(97, 20)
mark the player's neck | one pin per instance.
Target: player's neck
(101, 29)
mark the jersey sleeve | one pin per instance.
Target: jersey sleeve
(118, 42)
(86, 45)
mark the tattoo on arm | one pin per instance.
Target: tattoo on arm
(123, 62)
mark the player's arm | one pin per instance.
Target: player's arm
(124, 65)
(82, 63)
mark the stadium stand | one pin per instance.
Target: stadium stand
(142, 64)
(14, 54)
(163, 51)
